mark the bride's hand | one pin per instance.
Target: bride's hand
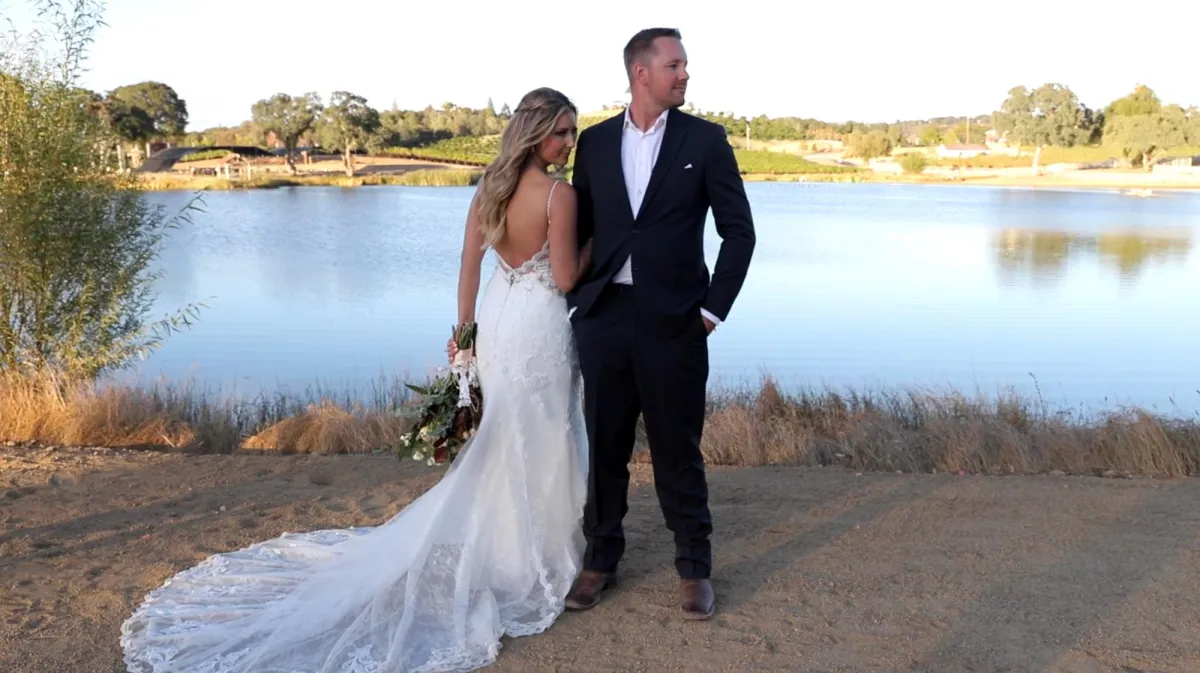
(451, 349)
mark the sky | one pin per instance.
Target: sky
(870, 61)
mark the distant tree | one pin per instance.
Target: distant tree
(288, 118)
(1094, 121)
(1141, 127)
(869, 145)
(492, 123)
(1175, 126)
(1193, 125)
(964, 133)
(168, 112)
(1142, 101)
(128, 124)
(1142, 137)
(913, 162)
(1050, 115)
(348, 124)
(931, 135)
(120, 123)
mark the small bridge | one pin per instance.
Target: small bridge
(162, 160)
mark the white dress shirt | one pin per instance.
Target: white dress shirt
(639, 152)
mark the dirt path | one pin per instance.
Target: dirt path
(817, 570)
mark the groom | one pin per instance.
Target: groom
(642, 315)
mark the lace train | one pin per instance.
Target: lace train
(491, 550)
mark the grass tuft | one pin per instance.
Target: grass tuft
(902, 430)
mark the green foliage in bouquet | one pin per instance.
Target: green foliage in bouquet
(449, 408)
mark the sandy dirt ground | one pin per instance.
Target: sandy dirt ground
(817, 570)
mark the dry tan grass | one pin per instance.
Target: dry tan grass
(913, 431)
(909, 431)
(328, 428)
(46, 409)
(51, 410)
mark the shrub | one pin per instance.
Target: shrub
(77, 240)
(913, 162)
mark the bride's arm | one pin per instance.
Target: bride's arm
(469, 265)
(567, 260)
(585, 260)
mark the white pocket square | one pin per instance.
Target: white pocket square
(687, 167)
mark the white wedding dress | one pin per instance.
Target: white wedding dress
(491, 550)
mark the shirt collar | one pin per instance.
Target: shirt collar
(658, 123)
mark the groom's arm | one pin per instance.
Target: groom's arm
(735, 226)
(585, 224)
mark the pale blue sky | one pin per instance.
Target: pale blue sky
(864, 61)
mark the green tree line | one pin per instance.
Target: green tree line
(1138, 126)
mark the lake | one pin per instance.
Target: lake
(1092, 297)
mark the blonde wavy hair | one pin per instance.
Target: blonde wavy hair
(531, 123)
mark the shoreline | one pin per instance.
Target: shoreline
(384, 170)
(433, 175)
(1095, 180)
(903, 429)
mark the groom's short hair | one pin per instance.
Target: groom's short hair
(643, 43)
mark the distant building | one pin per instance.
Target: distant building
(997, 143)
(1179, 162)
(1177, 166)
(960, 151)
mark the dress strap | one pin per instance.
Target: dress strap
(550, 198)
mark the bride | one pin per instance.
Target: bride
(493, 548)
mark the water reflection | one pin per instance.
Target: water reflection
(1042, 256)
(851, 285)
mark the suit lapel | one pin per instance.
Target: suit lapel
(672, 140)
(610, 158)
(612, 155)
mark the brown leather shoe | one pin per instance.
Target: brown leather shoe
(585, 594)
(699, 600)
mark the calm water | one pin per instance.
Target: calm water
(1096, 296)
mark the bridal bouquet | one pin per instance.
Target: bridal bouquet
(450, 406)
